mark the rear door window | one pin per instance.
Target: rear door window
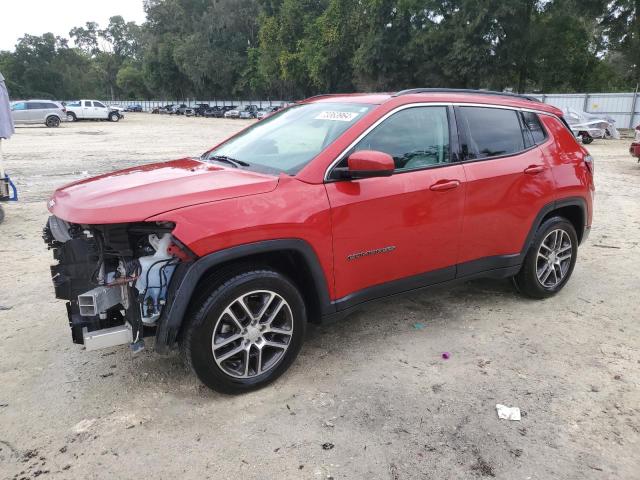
(490, 132)
(35, 106)
(87, 103)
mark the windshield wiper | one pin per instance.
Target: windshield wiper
(229, 160)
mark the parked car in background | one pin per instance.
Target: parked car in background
(248, 111)
(219, 112)
(44, 112)
(313, 213)
(133, 108)
(92, 110)
(200, 109)
(265, 112)
(181, 109)
(166, 108)
(214, 112)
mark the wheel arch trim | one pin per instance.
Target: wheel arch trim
(550, 207)
(188, 275)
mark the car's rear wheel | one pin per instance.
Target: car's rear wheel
(245, 332)
(71, 117)
(52, 121)
(549, 262)
(114, 117)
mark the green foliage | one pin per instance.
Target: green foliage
(290, 49)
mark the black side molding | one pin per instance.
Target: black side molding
(187, 275)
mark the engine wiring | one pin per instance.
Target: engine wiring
(163, 276)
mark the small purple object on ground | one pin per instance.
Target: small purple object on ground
(446, 355)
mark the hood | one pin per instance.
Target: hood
(135, 194)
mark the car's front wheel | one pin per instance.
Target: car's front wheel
(245, 332)
(114, 117)
(52, 121)
(549, 262)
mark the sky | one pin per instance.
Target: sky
(36, 17)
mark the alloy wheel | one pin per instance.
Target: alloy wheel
(252, 334)
(554, 258)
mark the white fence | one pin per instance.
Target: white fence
(149, 105)
(623, 107)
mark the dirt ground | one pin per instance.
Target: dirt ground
(374, 389)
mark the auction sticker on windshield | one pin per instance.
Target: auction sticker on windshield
(337, 116)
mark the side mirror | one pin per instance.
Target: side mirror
(367, 164)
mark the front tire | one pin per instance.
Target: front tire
(550, 260)
(52, 122)
(114, 117)
(245, 332)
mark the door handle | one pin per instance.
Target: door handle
(445, 185)
(534, 169)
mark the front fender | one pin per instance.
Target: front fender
(187, 276)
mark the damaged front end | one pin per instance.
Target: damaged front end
(115, 278)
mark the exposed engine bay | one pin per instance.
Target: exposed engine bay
(115, 278)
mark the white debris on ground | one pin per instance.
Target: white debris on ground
(508, 413)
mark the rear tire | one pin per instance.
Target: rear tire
(71, 117)
(235, 349)
(550, 260)
(52, 121)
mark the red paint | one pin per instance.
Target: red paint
(399, 211)
(367, 160)
(634, 149)
(433, 218)
(137, 193)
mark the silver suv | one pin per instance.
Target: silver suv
(38, 111)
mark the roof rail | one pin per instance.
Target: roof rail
(464, 90)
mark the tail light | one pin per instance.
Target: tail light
(588, 161)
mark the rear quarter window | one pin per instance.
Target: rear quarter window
(533, 124)
(490, 132)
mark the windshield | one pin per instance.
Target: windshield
(288, 140)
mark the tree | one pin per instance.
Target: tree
(622, 27)
(295, 48)
(109, 47)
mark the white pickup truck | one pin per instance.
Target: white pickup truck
(91, 110)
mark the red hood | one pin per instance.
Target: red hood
(135, 194)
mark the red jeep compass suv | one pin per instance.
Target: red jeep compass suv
(326, 205)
